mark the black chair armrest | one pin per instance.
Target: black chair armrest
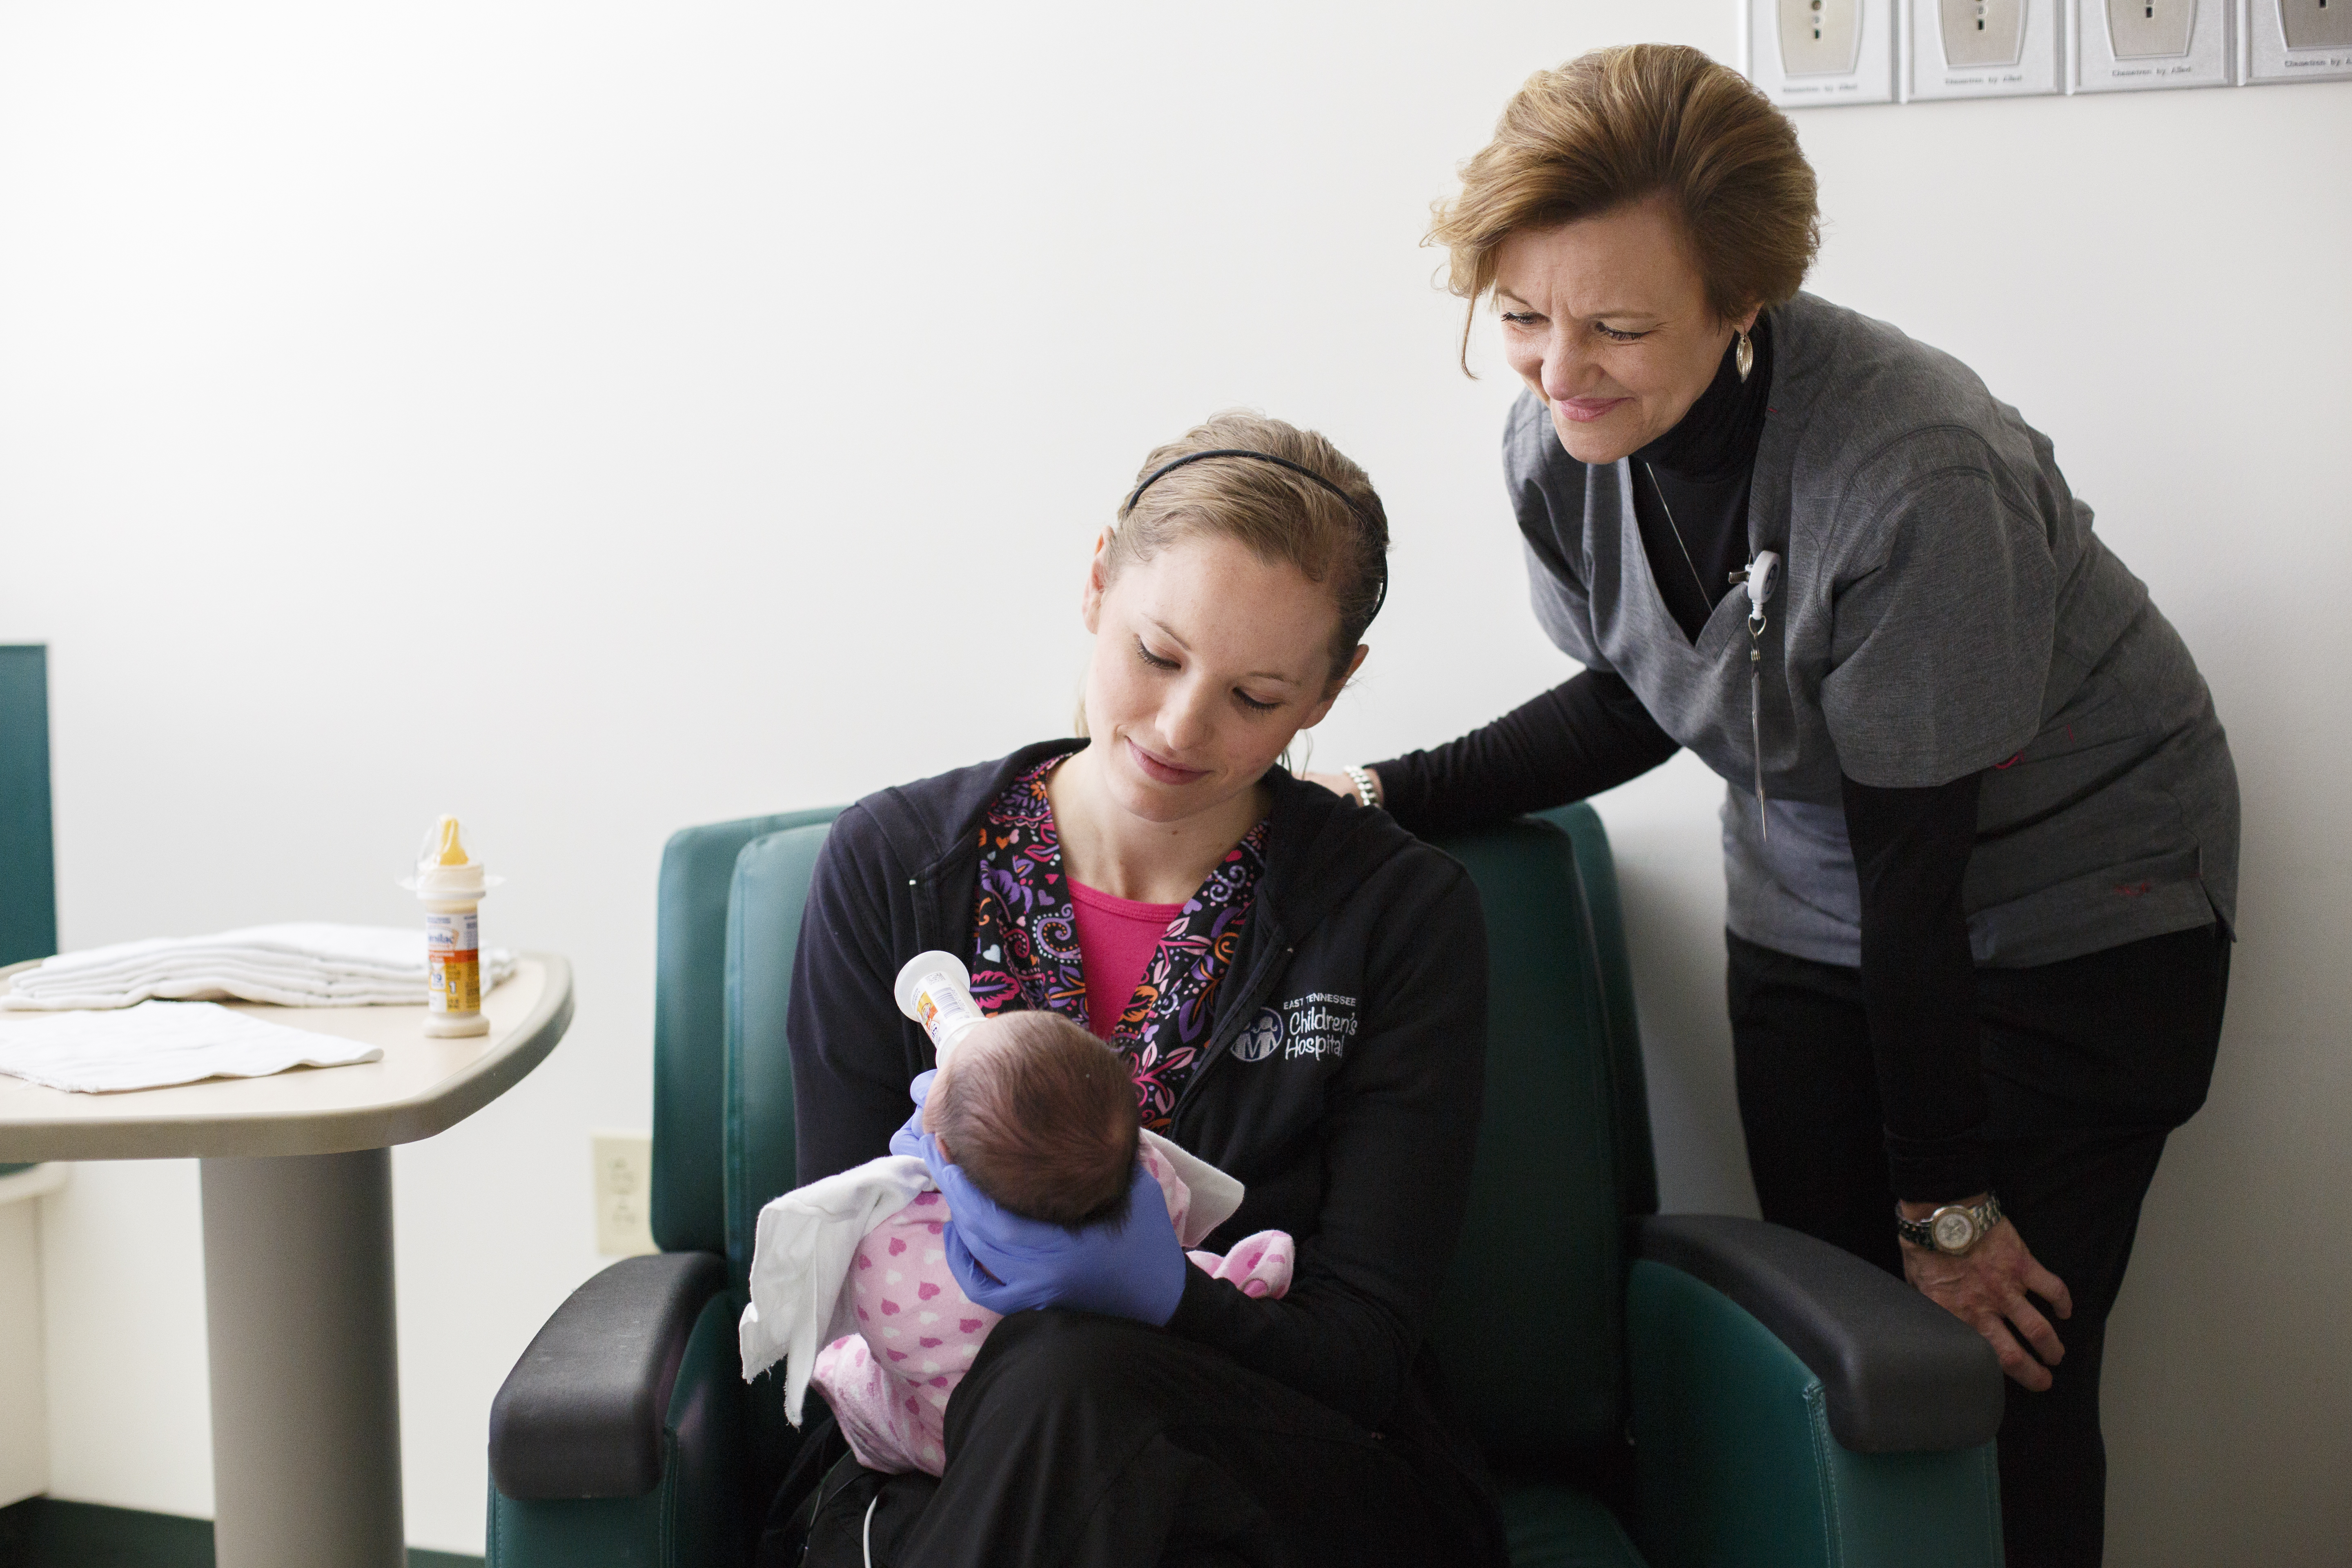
(582, 1412)
(1902, 1374)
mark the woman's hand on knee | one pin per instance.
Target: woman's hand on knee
(1987, 1289)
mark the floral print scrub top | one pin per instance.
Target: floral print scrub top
(1025, 943)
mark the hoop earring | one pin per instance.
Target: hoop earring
(1743, 358)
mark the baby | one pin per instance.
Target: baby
(1041, 1117)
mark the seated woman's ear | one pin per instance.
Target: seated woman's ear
(1097, 583)
(1339, 684)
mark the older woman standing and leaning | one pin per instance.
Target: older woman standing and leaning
(1981, 833)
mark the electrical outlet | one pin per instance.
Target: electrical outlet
(1983, 48)
(2316, 24)
(1815, 54)
(623, 1172)
(1985, 32)
(2147, 29)
(2134, 46)
(2297, 40)
(1824, 38)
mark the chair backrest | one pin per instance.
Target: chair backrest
(697, 873)
(763, 932)
(29, 890)
(1530, 1326)
(1596, 874)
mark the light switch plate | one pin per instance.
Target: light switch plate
(1815, 53)
(1983, 48)
(2296, 40)
(2130, 46)
(623, 1176)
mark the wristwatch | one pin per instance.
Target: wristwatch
(1953, 1230)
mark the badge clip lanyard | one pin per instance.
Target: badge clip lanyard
(1759, 577)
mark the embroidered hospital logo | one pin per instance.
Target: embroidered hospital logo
(1318, 1025)
(1262, 1038)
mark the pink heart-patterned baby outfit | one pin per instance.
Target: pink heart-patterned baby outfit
(888, 1383)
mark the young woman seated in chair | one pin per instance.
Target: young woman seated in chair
(1298, 987)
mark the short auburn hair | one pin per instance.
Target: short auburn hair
(1623, 124)
(1041, 1118)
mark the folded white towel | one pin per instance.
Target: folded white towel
(300, 965)
(156, 1044)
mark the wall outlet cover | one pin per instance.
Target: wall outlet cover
(1815, 53)
(2150, 29)
(1819, 38)
(622, 1177)
(2133, 46)
(1983, 48)
(2296, 40)
(1982, 32)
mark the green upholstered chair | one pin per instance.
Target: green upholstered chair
(28, 888)
(1674, 1391)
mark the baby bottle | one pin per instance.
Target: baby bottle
(935, 990)
(449, 884)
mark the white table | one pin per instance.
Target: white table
(297, 1172)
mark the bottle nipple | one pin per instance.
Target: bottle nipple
(450, 852)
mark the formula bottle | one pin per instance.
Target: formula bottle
(935, 990)
(449, 884)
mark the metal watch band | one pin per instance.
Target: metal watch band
(1367, 792)
(1921, 1233)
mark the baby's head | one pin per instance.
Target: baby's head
(1040, 1115)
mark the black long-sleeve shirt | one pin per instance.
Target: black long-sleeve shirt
(1911, 846)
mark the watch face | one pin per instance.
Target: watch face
(1955, 1229)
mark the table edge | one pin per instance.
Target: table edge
(332, 1132)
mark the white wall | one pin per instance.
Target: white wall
(597, 419)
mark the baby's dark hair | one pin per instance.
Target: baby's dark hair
(1041, 1116)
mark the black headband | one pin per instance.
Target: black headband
(1370, 518)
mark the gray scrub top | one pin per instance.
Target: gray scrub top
(1943, 607)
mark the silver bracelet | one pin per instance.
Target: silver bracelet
(1368, 789)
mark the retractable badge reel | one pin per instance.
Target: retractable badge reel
(1761, 578)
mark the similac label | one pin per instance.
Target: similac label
(453, 962)
(944, 1006)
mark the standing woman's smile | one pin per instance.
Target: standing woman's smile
(1607, 322)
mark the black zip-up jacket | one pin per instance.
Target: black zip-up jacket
(1341, 1083)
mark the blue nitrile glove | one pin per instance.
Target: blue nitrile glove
(1009, 1264)
(909, 1139)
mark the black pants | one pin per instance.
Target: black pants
(2088, 1064)
(1084, 1440)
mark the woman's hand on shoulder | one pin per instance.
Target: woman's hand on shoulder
(1344, 786)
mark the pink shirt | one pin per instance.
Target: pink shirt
(1117, 938)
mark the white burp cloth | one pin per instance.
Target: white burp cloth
(297, 964)
(158, 1044)
(800, 1253)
